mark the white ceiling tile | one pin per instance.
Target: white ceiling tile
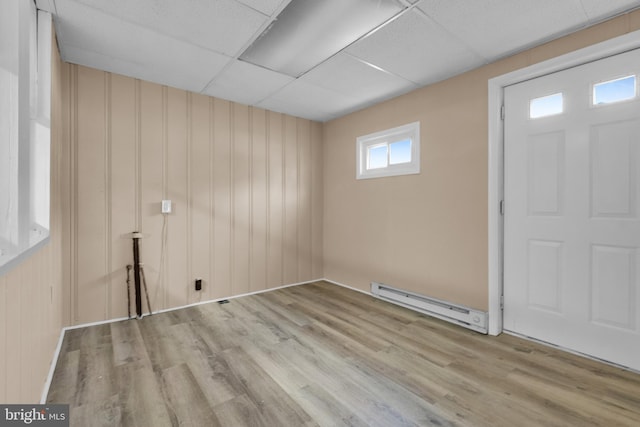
(224, 26)
(268, 7)
(246, 83)
(495, 28)
(352, 77)
(308, 101)
(415, 48)
(165, 72)
(597, 9)
(89, 37)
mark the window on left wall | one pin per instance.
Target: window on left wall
(25, 130)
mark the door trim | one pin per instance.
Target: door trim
(497, 84)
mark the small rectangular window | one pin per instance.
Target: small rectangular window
(616, 90)
(390, 152)
(546, 106)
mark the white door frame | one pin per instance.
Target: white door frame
(592, 53)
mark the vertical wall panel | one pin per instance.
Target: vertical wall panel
(317, 197)
(290, 264)
(243, 181)
(241, 200)
(199, 195)
(26, 324)
(13, 338)
(3, 338)
(37, 291)
(177, 289)
(66, 138)
(123, 188)
(209, 289)
(91, 204)
(152, 166)
(304, 200)
(29, 324)
(222, 219)
(259, 193)
(52, 275)
(275, 215)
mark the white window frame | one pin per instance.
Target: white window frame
(409, 131)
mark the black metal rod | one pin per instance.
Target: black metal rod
(136, 273)
(146, 291)
(129, 267)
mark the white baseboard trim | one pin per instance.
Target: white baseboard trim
(333, 282)
(52, 369)
(101, 322)
(56, 355)
(233, 297)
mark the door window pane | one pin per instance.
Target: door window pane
(614, 90)
(546, 106)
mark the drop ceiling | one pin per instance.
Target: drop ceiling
(197, 45)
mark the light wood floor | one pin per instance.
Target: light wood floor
(323, 355)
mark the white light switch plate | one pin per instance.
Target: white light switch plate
(166, 206)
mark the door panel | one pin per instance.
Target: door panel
(612, 154)
(544, 281)
(546, 170)
(572, 213)
(612, 286)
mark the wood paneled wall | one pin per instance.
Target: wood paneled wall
(246, 186)
(32, 293)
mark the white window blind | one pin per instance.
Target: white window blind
(25, 103)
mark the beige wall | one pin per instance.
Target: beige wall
(246, 186)
(426, 232)
(31, 294)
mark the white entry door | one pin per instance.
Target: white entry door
(572, 209)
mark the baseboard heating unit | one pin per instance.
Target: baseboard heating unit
(458, 314)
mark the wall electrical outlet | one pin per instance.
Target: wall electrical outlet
(198, 284)
(166, 206)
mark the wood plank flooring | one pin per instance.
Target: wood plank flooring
(322, 355)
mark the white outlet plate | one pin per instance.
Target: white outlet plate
(166, 206)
